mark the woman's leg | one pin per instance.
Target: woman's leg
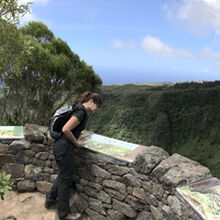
(65, 181)
(51, 197)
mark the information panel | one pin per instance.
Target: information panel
(112, 147)
(203, 197)
(11, 132)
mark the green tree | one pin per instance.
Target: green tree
(10, 11)
(49, 74)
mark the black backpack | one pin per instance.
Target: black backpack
(59, 119)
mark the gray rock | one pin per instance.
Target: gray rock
(175, 205)
(104, 197)
(139, 193)
(115, 215)
(158, 190)
(20, 145)
(7, 158)
(33, 172)
(178, 169)
(53, 177)
(153, 200)
(42, 155)
(90, 191)
(124, 209)
(34, 132)
(99, 172)
(117, 170)
(135, 203)
(100, 158)
(37, 147)
(115, 185)
(4, 148)
(167, 213)
(116, 194)
(48, 163)
(144, 215)
(117, 178)
(48, 170)
(16, 170)
(26, 186)
(85, 174)
(96, 205)
(51, 156)
(94, 215)
(84, 182)
(79, 202)
(130, 190)
(130, 180)
(149, 159)
(156, 212)
(107, 205)
(79, 187)
(20, 159)
(148, 186)
(29, 153)
(43, 186)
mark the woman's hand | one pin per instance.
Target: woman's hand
(78, 144)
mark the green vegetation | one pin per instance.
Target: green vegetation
(5, 185)
(181, 117)
(10, 11)
(39, 73)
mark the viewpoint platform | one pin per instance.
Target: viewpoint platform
(203, 197)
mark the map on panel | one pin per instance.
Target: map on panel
(203, 197)
(11, 132)
(110, 146)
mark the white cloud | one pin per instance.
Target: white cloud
(200, 15)
(205, 70)
(154, 46)
(174, 68)
(120, 44)
(208, 54)
(27, 18)
(30, 16)
(43, 2)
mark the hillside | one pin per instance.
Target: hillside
(182, 118)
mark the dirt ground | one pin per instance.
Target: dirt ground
(28, 206)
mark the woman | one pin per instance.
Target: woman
(63, 152)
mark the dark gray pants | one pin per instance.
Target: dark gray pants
(63, 152)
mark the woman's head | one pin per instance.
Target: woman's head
(92, 101)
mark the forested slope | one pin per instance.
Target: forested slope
(182, 118)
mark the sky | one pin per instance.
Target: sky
(138, 41)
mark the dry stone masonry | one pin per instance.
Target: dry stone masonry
(106, 188)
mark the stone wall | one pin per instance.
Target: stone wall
(106, 188)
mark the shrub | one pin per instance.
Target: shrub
(5, 185)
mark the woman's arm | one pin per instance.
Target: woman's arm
(68, 127)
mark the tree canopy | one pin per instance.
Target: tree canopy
(11, 10)
(44, 73)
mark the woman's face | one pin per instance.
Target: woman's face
(93, 106)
